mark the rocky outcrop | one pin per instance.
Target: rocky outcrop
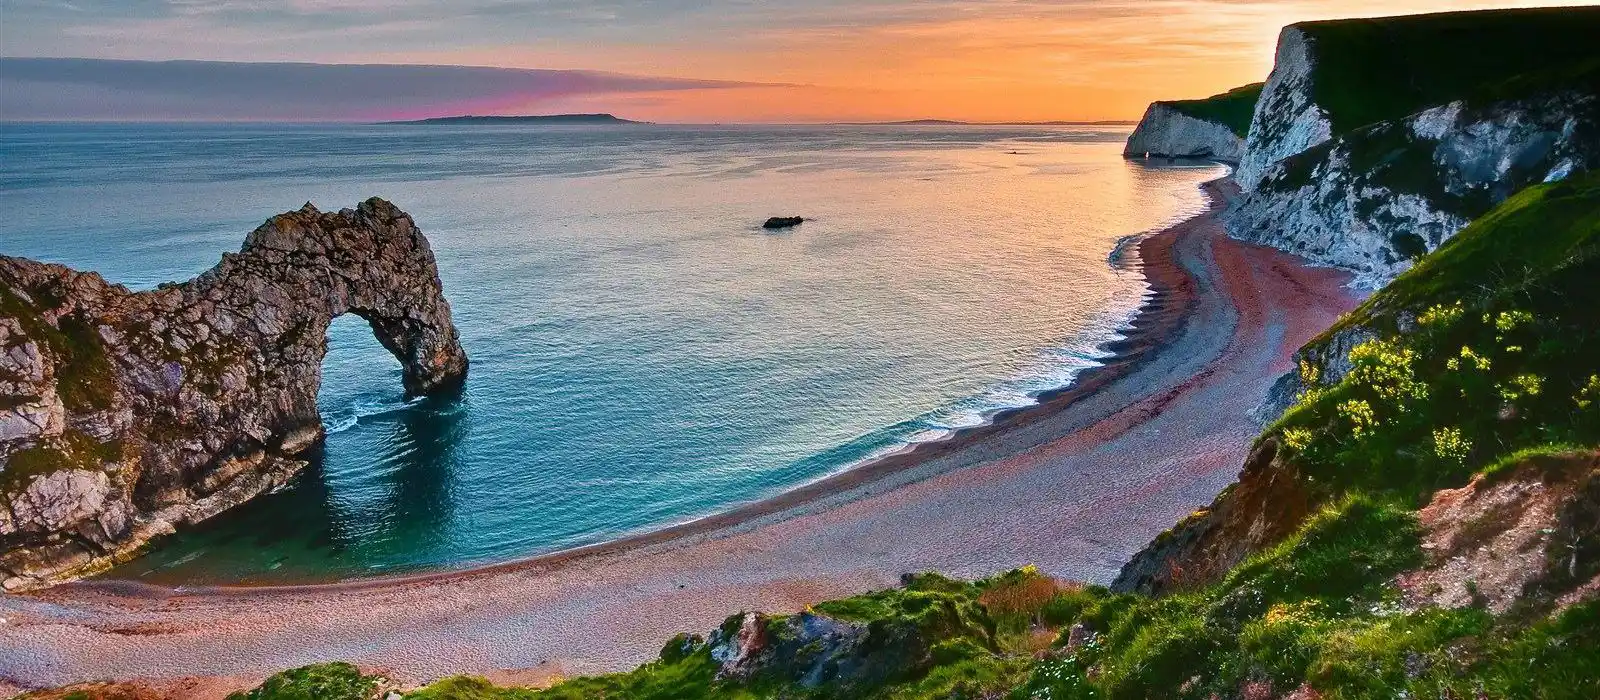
(777, 222)
(124, 415)
(1166, 132)
(811, 650)
(1375, 200)
(1266, 505)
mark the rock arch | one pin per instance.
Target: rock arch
(124, 415)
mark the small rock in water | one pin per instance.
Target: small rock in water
(783, 221)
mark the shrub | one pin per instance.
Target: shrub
(328, 681)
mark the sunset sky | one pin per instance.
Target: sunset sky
(990, 60)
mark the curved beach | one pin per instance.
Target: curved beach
(1075, 485)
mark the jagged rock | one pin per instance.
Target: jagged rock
(735, 647)
(811, 650)
(124, 415)
(1167, 132)
(806, 649)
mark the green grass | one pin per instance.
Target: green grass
(329, 681)
(1372, 70)
(1502, 346)
(690, 678)
(1233, 108)
(1536, 234)
(935, 607)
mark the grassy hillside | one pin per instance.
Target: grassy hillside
(1487, 351)
(1540, 232)
(1486, 370)
(1372, 70)
(1232, 108)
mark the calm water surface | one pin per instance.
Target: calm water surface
(642, 352)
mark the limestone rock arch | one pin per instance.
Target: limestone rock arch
(126, 414)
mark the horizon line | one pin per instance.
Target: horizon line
(624, 124)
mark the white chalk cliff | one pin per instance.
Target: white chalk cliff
(1374, 200)
(1168, 132)
(1286, 120)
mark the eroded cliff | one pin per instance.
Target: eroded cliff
(1376, 200)
(1211, 128)
(1374, 141)
(126, 414)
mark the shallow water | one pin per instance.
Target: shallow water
(642, 352)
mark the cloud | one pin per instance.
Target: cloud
(79, 88)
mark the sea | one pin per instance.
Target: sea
(643, 352)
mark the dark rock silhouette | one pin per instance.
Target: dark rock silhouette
(783, 222)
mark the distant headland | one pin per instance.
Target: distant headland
(954, 122)
(525, 119)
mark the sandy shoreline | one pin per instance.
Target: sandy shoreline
(1074, 484)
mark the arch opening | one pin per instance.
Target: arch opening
(360, 376)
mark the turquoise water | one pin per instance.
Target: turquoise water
(642, 352)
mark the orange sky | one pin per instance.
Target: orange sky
(982, 60)
(1022, 61)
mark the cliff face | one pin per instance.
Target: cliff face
(1165, 131)
(1266, 505)
(1376, 199)
(1467, 367)
(1374, 141)
(1286, 119)
(124, 415)
(1213, 127)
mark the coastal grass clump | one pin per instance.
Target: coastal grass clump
(328, 681)
(1269, 620)
(689, 678)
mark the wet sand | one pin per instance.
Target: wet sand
(1074, 485)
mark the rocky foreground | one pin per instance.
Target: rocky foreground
(124, 415)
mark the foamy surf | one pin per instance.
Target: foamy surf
(352, 415)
